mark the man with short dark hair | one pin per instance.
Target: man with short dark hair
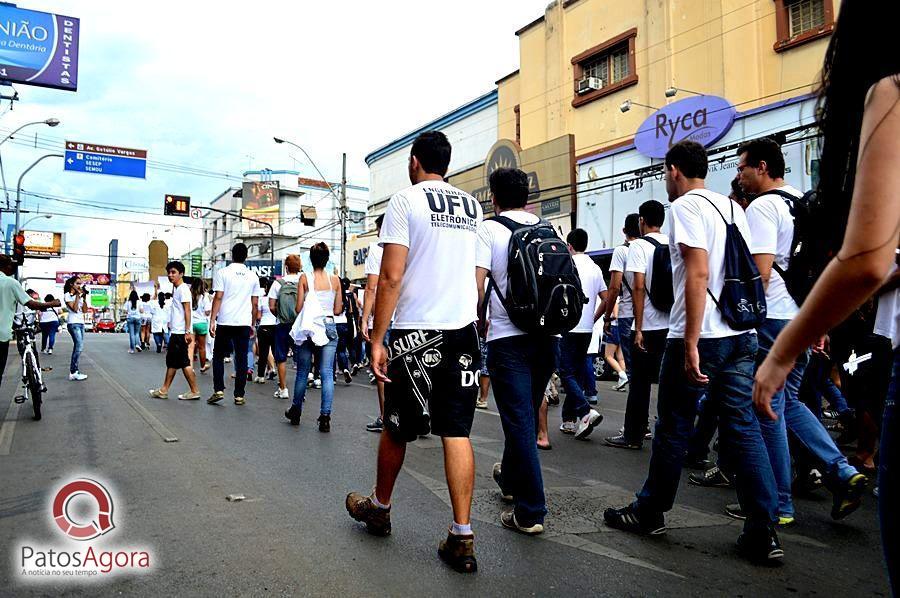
(181, 338)
(703, 354)
(431, 367)
(651, 326)
(577, 416)
(761, 174)
(620, 289)
(234, 310)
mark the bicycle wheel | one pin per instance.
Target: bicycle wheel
(35, 388)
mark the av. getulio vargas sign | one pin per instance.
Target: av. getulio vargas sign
(38, 48)
(704, 119)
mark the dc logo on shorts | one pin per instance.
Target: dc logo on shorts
(431, 358)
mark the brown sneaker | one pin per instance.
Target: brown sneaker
(361, 508)
(459, 553)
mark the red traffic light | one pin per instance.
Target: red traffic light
(20, 239)
(19, 248)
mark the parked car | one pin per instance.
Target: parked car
(106, 325)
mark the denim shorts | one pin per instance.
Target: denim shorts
(613, 337)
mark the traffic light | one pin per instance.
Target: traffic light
(19, 248)
(177, 205)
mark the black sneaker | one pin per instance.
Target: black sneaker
(621, 442)
(761, 548)
(375, 426)
(807, 482)
(699, 464)
(848, 497)
(735, 511)
(324, 423)
(628, 519)
(347, 377)
(459, 553)
(293, 413)
(711, 478)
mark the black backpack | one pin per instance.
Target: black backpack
(543, 290)
(743, 298)
(661, 291)
(803, 266)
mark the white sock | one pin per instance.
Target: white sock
(461, 530)
(623, 376)
(378, 504)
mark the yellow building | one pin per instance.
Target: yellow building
(600, 70)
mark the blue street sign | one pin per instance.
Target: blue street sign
(105, 159)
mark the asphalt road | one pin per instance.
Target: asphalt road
(292, 536)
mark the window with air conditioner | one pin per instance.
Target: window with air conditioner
(605, 68)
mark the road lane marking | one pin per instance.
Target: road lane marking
(154, 423)
(8, 427)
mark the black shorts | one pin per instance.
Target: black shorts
(177, 355)
(434, 383)
(282, 342)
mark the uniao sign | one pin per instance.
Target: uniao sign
(704, 119)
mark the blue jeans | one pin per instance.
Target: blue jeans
(626, 341)
(590, 381)
(303, 356)
(519, 374)
(889, 480)
(729, 363)
(77, 332)
(133, 326)
(48, 334)
(796, 417)
(572, 351)
(160, 339)
(818, 375)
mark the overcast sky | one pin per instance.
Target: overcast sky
(206, 85)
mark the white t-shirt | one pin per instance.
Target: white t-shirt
(180, 295)
(76, 316)
(238, 285)
(592, 283)
(49, 315)
(373, 259)
(439, 224)
(199, 314)
(887, 318)
(493, 255)
(266, 317)
(146, 308)
(772, 228)
(640, 260)
(696, 223)
(159, 319)
(618, 263)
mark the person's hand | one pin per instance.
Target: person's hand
(365, 333)
(607, 326)
(252, 331)
(639, 340)
(483, 327)
(212, 329)
(692, 366)
(189, 338)
(821, 346)
(380, 362)
(770, 378)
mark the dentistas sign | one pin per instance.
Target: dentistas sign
(704, 119)
(38, 48)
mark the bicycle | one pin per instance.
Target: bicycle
(25, 328)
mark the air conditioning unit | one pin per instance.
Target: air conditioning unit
(589, 84)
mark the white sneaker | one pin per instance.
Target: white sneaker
(49, 351)
(567, 427)
(586, 424)
(623, 381)
(77, 376)
(317, 383)
(281, 393)
(259, 380)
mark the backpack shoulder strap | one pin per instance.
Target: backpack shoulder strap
(652, 241)
(714, 206)
(508, 222)
(783, 193)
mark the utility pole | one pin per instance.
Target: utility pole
(344, 218)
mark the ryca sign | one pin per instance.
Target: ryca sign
(704, 119)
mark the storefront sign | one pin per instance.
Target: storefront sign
(99, 297)
(550, 206)
(264, 267)
(704, 119)
(86, 277)
(360, 255)
(38, 48)
(43, 244)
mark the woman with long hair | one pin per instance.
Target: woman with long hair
(133, 322)
(75, 298)
(49, 326)
(200, 317)
(146, 316)
(324, 288)
(859, 119)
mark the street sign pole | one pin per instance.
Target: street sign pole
(19, 194)
(241, 217)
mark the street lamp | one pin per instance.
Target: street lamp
(627, 104)
(30, 220)
(50, 122)
(19, 184)
(671, 91)
(279, 140)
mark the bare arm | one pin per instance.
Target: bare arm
(369, 302)
(39, 306)
(481, 275)
(302, 289)
(254, 301)
(273, 306)
(868, 250)
(637, 298)
(615, 287)
(601, 305)
(696, 264)
(188, 334)
(338, 297)
(216, 304)
(393, 266)
(764, 262)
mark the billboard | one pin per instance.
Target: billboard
(38, 48)
(260, 202)
(264, 267)
(99, 298)
(97, 278)
(43, 244)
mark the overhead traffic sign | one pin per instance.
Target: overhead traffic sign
(105, 159)
(196, 213)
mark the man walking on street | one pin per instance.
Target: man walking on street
(431, 368)
(651, 322)
(577, 416)
(769, 215)
(234, 310)
(620, 283)
(704, 354)
(178, 357)
(373, 269)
